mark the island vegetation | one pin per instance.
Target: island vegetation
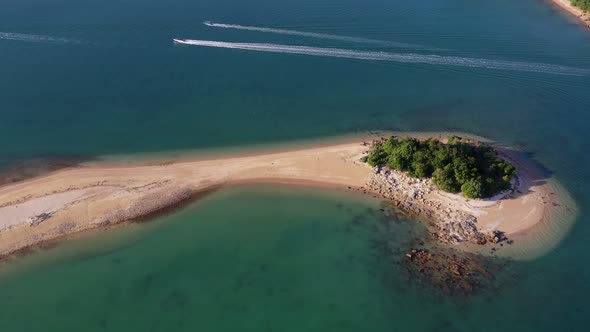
(457, 166)
(582, 4)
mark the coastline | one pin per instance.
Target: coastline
(73, 200)
(579, 13)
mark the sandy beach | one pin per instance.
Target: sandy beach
(95, 196)
(567, 5)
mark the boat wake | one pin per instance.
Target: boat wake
(394, 57)
(37, 38)
(321, 36)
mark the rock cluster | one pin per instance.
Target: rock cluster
(452, 272)
(450, 225)
(497, 237)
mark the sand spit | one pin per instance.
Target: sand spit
(95, 196)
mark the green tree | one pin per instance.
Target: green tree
(377, 155)
(453, 140)
(473, 188)
(464, 169)
(444, 178)
(441, 157)
(583, 4)
(420, 169)
(455, 166)
(395, 161)
(421, 165)
(390, 145)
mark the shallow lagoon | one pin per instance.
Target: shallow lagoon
(221, 263)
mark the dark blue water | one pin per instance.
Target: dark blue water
(114, 83)
(122, 80)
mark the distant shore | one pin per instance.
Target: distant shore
(579, 13)
(92, 196)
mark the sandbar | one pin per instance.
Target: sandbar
(94, 196)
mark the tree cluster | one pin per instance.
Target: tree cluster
(473, 169)
(583, 4)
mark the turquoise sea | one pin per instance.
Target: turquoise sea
(80, 80)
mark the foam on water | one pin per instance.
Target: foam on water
(318, 35)
(37, 38)
(429, 59)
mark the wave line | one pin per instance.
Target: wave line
(394, 57)
(316, 35)
(36, 38)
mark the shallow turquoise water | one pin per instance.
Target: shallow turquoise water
(118, 85)
(222, 264)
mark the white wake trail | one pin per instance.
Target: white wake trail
(36, 38)
(394, 57)
(319, 36)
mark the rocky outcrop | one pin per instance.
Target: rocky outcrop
(497, 237)
(452, 272)
(449, 225)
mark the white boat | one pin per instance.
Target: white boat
(180, 41)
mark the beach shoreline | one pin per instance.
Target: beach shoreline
(96, 196)
(579, 13)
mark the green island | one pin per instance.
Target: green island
(456, 166)
(582, 4)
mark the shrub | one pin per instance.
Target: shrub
(420, 169)
(444, 178)
(377, 156)
(473, 188)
